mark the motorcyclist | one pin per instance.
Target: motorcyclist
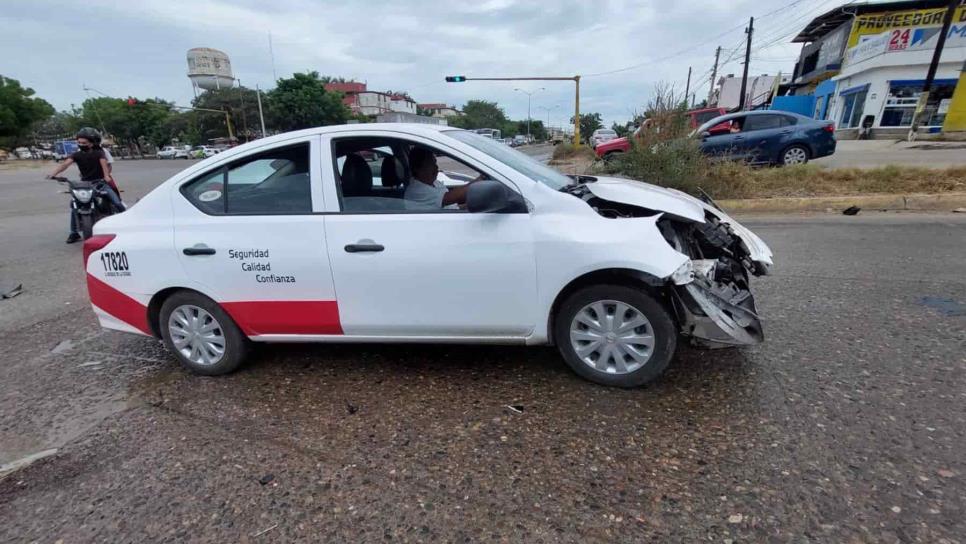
(93, 166)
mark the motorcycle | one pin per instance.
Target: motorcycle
(89, 203)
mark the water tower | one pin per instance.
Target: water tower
(209, 69)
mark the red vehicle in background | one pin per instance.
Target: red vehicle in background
(696, 118)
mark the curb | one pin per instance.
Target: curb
(944, 202)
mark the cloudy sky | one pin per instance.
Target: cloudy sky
(138, 48)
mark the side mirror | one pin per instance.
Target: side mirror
(705, 135)
(490, 196)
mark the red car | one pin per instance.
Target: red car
(696, 118)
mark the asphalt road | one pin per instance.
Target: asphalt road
(847, 425)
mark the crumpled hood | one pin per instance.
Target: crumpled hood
(645, 195)
(674, 202)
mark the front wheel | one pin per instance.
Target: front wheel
(201, 335)
(85, 222)
(795, 154)
(615, 335)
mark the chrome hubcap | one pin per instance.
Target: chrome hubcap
(197, 335)
(795, 155)
(612, 337)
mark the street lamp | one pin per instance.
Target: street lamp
(529, 94)
(548, 110)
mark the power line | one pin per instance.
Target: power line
(692, 47)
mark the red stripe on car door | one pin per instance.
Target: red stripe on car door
(118, 304)
(285, 317)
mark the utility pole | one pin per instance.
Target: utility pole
(714, 73)
(931, 74)
(744, 75)
(271, 53)
(261, 116)
(687, 87)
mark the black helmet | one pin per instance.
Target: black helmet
(91, 134)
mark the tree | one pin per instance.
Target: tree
(481, 114)
(621, 130)
(589, 122)
(20, 112)
(241, 103)
(301, 101)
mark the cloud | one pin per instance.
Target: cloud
(138, 48)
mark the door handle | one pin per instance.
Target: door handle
(191, 251)
(359, 248)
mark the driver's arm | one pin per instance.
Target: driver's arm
(457, 195)
(63, 166)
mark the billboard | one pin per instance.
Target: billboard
(913, 30)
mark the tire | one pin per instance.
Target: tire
(794, 154)
(85, 223)
(202, 356)
(571, 330)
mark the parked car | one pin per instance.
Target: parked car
(694, 118)
(768, 137)
(309, 249)
(203, 152)
(519, 139)
(183, 152)
(25, 153)
(600, 136)
(167, 152)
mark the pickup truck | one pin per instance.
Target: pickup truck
(695, 118)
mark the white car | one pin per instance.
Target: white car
(289, 239)
(602, 135)
(168, 152)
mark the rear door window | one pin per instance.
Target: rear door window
(271, 182)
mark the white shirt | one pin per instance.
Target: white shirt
(107, 155)
(420, 196)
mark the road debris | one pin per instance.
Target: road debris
(851, 210)
(351, 408)
(10, 290)
(266, 479)
(515, 408)
(263, 531)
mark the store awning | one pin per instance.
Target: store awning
(921, 82)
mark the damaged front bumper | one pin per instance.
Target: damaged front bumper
(715, 314)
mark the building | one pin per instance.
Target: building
(402, 103)
(866, 63)
(439, 110)
(758, 91)
(365, 102)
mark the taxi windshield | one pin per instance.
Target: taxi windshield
(513, 158)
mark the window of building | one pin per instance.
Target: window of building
(901, 103)
(272, 182)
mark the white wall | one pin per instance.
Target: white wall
(403, 106)
(373, 103)
(878, 76)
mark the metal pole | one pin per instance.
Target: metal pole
(931, 74)
(744, 75)
(714, 73)
(261, 116)
(577, 112)
(687, 87)
(272, 53)
(528, 117)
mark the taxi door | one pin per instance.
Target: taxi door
(247, 235)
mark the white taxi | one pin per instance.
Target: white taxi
(309, 237)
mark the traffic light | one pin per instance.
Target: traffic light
(455, 79)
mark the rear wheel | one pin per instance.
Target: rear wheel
(795, 154)
(201, 335)
(85, 223)
(611, 155)
(615, 335)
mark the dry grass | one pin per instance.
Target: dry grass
(681, 165)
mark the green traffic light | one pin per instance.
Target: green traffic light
(455, 79)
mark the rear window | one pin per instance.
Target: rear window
(762, 122)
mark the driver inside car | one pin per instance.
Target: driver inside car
(425, 190)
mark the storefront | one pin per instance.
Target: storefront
(884, 70)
